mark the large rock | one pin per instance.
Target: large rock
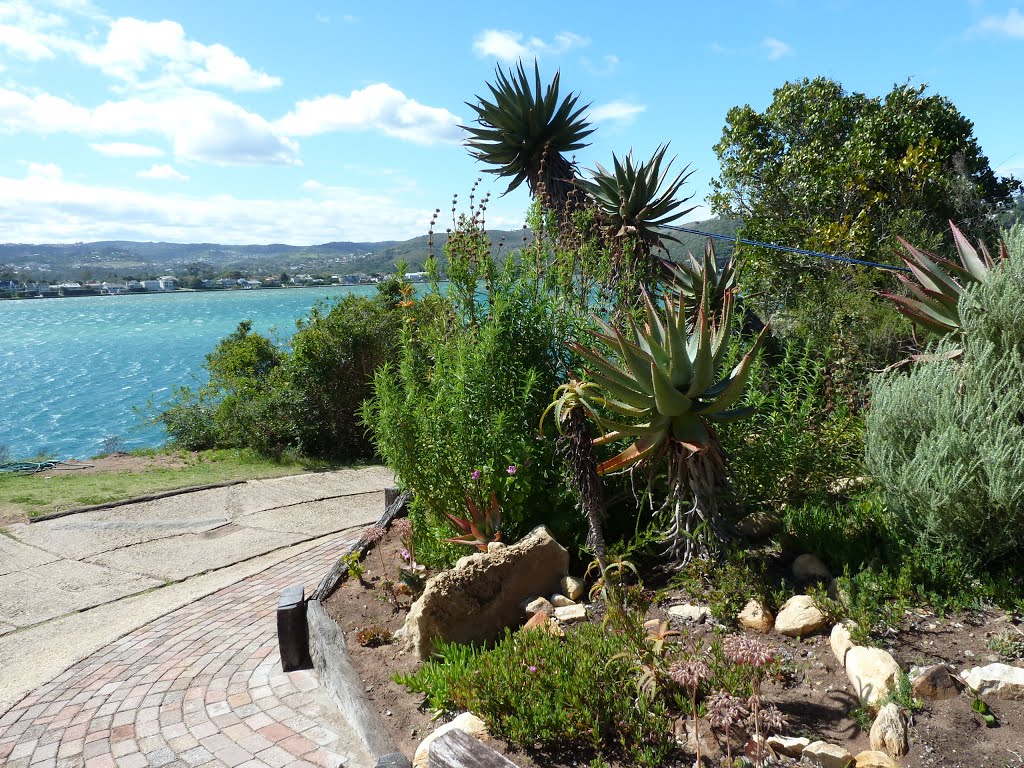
(810, 568)
(1000, 681)
(466, 722)
(934, 682)
(824, 755)
(790, 746)
(871, 758)
(756, 617)
(872, 673)
(889, 731)
(800, 617)
(841, 642)
(475, 603)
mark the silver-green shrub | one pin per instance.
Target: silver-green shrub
(1015, 240)
(946, 440)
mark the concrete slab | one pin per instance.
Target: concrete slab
(317, 518)
(89, 533)
(54, 589)
(179, 557)
(16, 556)
(7, 628)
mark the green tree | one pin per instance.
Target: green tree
(843, 173)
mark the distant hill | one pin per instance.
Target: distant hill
(117, 258)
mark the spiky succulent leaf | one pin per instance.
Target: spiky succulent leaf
(689, 275)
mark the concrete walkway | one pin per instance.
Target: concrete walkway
(145, 635)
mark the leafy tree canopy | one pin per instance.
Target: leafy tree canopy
(843, 173)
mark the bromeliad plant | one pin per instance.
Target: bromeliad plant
(661, 383)
(633, 199)
(941, 283)
(526, 132)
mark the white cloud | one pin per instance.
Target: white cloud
(135, 47)
(776, 49)
(162, 172)
(608, 64)
(23, 43)
(617, 111)
(1011, 25)
(126, 149)
(44, 207)
(200, 126)
(376, 107)
(508, 46)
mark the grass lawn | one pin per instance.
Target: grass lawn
(126, 476)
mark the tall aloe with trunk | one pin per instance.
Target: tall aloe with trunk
(936, 284)
(526, 131)
(661, 381)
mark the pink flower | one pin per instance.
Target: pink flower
(476, 474)
(511, 469)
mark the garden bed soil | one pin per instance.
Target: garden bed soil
(817, 699)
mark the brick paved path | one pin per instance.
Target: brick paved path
(200, 687)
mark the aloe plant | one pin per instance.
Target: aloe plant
(689, 275)
(634, 199)
(661, 381)
(482, 527)
(936, 284)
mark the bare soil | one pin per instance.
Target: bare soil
(817, 698)
(118, 462)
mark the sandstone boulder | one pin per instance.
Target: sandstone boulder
(809, 568)
(889, 731)
(573, 588)
(824, 755)
(756, 617)
(475, 603)
(871, 758)
(841, 642)
(570, 614)
(872, 673)
(467, 722)
(1000, 681)
(800, 617)
(790, 746)
(758, 525)
(690, 614)
(934, 682)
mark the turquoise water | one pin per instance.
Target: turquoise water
(72, 370)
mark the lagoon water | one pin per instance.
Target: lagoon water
(73, 371)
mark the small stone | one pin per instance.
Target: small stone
(809, 568)
(691, 614)
(934, 682)
(872, 672)
(889, 731)
(790, 746)
(561, 601)
(841, 642)
(758, 525)
(495, 546)
(871, 758)
(571, 613)
(543, 621)
(824, 755)
(800, 617)
(573, 588)
(538, 605)
(1000, 681)
(756, 617)
(467, 722)
(837, 593)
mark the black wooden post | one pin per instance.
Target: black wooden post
(292, 632)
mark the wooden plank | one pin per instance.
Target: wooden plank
(457, 749)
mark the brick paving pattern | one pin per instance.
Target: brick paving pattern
(199, 687)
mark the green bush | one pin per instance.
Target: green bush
(541, 691)
(802, 438)
(307, 398)
(946, 439)
(458, 415)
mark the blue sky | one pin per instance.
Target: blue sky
(307, 122)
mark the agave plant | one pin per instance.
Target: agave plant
(688, 277)
(935, 295)
(661, 382)
(527, 133)
(633, 199)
